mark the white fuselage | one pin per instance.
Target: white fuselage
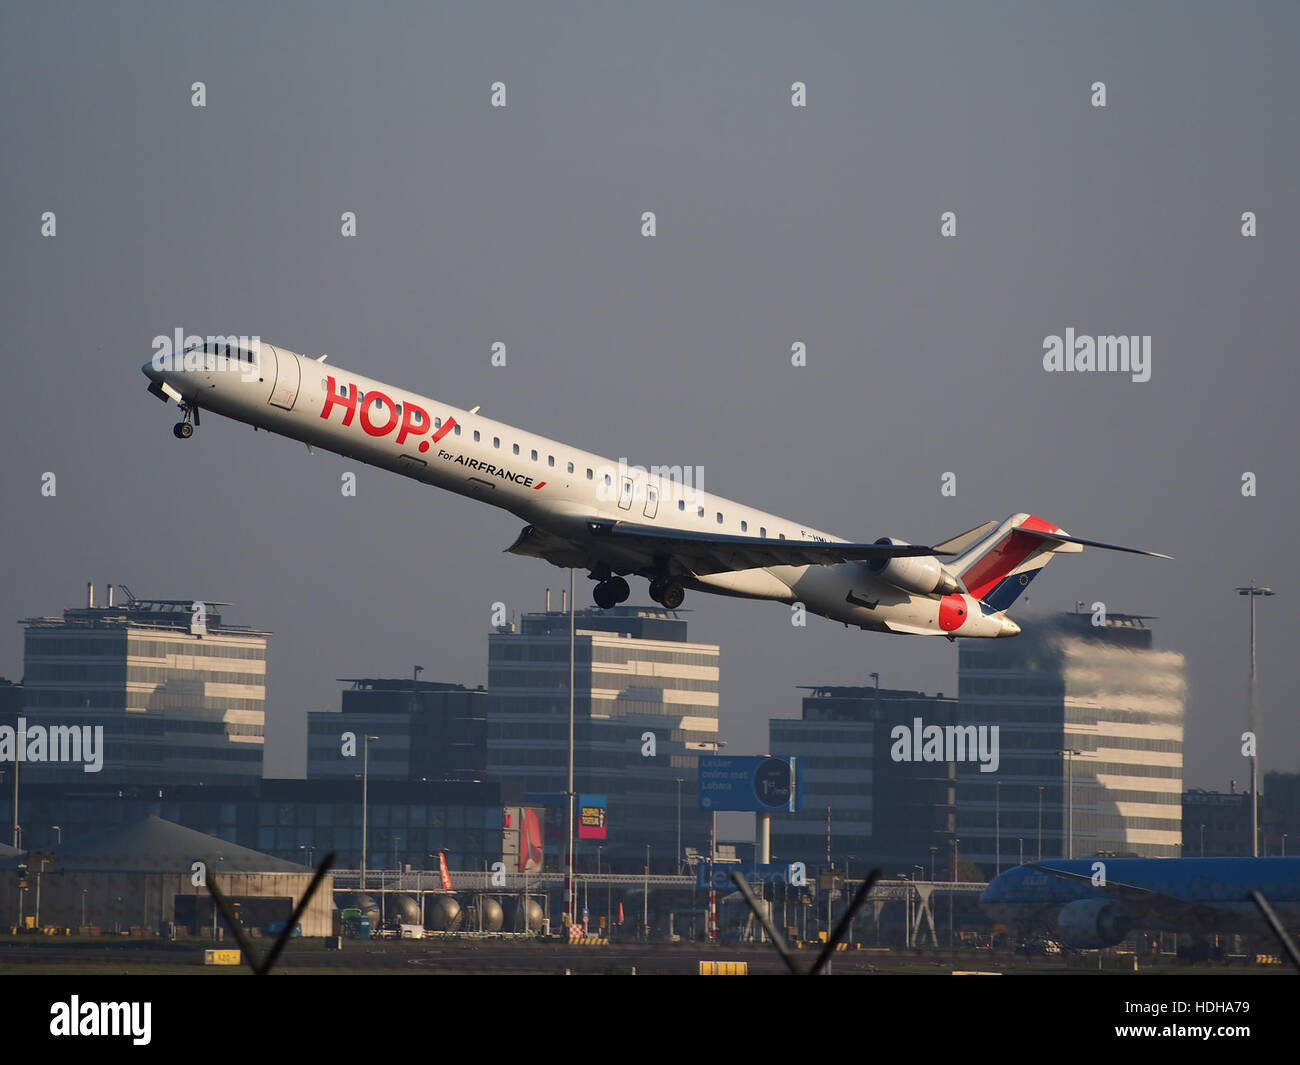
(554, 486)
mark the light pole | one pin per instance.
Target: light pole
(58, 835)
(1021, 841)
(365, 798)
(1254, 594)
(645, 898)
(570, 898)
(932, 850)
(907, 913)
(997, 826)
(1069, 768)
(678, 861)
(1040, 822)
(1202, 841)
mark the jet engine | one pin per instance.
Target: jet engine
(922, 574)
(1091, 924)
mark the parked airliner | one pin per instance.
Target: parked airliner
(1091, 903)
(615, 521)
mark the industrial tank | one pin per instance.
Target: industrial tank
(442, 913)
(491, 918)
(403, 909)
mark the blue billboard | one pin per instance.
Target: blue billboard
(753, 874)
(761, 784)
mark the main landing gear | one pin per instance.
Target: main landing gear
(610, 592)
(183, 430)
(667, 593)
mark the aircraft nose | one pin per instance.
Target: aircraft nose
(151, 371)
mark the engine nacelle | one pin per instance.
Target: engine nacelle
(922, 574)
(1091, 924)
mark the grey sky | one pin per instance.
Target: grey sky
(776, 225)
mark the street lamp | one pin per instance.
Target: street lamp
(997, 826)
(678, 863)
(1254, 594)
(932, 850)
(365, 798)
(59, 835)
(1040, 822)
(1069, 768)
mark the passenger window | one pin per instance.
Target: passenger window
(534, 454)
(550, 460)
(719, 517)
(456, 431)
(496, 441)
(570, 467)
(476, 436)
(681, 504)
(589, 475)
(700, 512)
(762, 531)
(744, 526)
(516, 447)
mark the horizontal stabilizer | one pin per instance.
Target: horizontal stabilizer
(1058, 537)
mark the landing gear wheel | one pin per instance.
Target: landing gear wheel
(671, 595)
(604, 595)
(622, 592)
(183, 430)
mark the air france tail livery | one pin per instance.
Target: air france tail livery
(611, 519)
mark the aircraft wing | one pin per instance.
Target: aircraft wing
(1140, 900)
(637, 547)
(703, 553)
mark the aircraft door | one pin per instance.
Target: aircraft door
(625, 494)
(288, 375)
(651, 498)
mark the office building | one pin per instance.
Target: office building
(425, 730)
(1090, 720)
(645, 707)
(179, 692)
(859, 784)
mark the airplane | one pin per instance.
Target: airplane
(1093, 903)
(615, 521)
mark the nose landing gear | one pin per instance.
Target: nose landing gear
(183, 430)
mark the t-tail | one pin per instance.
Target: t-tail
(997, 560)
